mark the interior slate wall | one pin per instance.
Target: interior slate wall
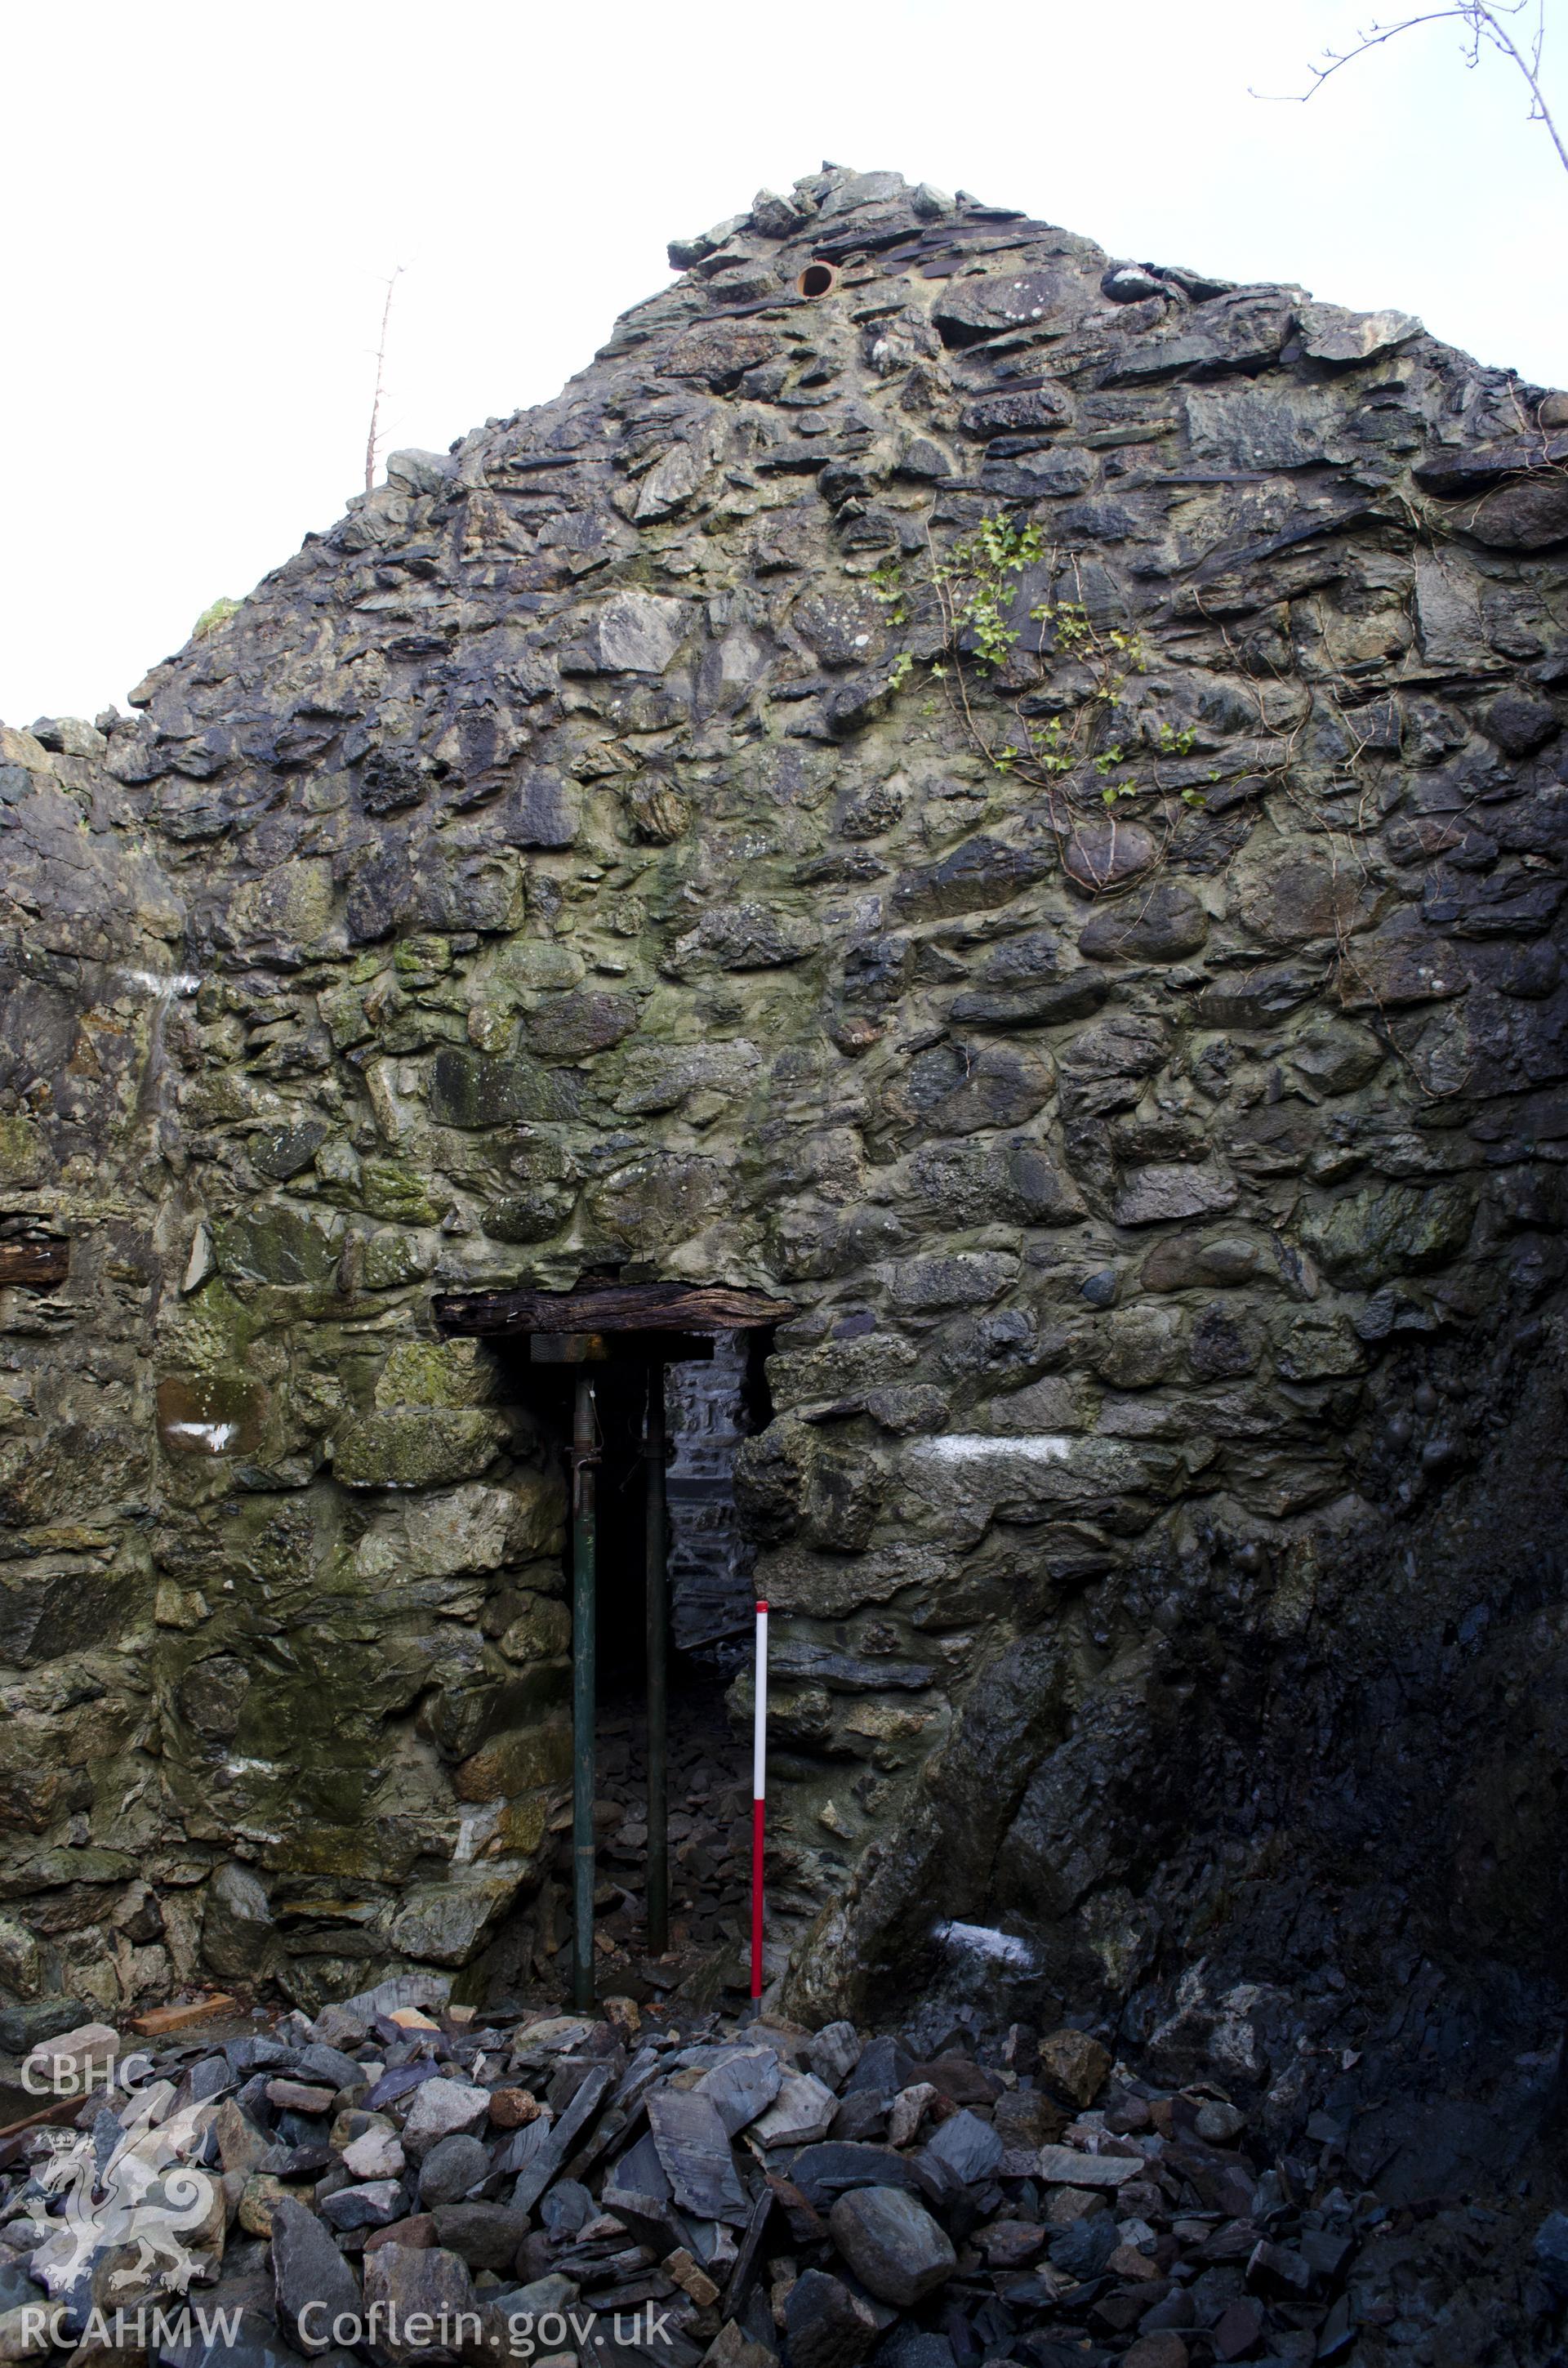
(711, 1564)
(587, 854)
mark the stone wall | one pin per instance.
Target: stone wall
(1017, 803)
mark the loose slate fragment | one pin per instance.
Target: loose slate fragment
(397, 2083)
(820, 2172)
(694, 2148)
(373, 2206)
(1064, 2167)
(966, 2148)
(834, 2052)
(537, 2163)
(442, 2108)
(748, 2261)
(827, 2326)
(802, 2114)
(739, 2088)
(885, 2066)
(307, 2268)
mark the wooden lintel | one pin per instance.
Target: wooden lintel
(611, 1307)
(41, 1264)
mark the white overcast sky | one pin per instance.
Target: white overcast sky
(202, 201)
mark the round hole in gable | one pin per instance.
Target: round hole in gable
(817, 279)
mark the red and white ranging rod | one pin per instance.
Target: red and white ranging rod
(758, 1797)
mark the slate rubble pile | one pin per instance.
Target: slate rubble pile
(679, 2190)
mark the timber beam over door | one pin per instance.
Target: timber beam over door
(42, 1264)
(610, 1307)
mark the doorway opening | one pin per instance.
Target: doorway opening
(646, 1391)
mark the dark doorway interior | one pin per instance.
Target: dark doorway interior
(620, 1405)
(712, 1394)
(710, 1404)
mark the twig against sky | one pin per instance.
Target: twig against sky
(1484, 28)
(372, 439)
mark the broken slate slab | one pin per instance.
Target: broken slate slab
(820, 2172)
(885, 2065)
(834, 2052)
(298, 2096)
(640, 2168)
(551, 2036)
(376, 2204)
(652, 2219)
(801, 2113)
(743, 2086)
(826, 2325)
(411, 2283)
(966, 2148)
(637, 2192)
(639, 2075)
(747, 2263)
(308, 2268)
(487, 2235)
(241, 2146)
(452, 2169)
(533, 2159)
(443, 2109)
(694, 2149)
(568, 2207)
(331, 2067)
(540, 2150)
(909, 2347)
(1062, 2166)
(399, 2082)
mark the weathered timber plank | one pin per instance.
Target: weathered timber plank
(161, 2018)
(39, 1263)
(611, 1307)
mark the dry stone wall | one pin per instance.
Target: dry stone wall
(1016, 799)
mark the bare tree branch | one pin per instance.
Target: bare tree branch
(1482, 21)
(374, 436)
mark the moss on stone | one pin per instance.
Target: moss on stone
(390, 1188)
(437, 1373)
(481, 1090)
(1391, 1229)
(395, 1258)
(24, 1152)
(417, 1447)
(276, 1244)
(516, 1761)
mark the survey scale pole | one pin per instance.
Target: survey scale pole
(759, 1796)
(658, 1612)
(585, 1545)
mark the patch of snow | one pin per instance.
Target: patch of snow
(155, 981)
(985, 1941)
(969, 1446)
